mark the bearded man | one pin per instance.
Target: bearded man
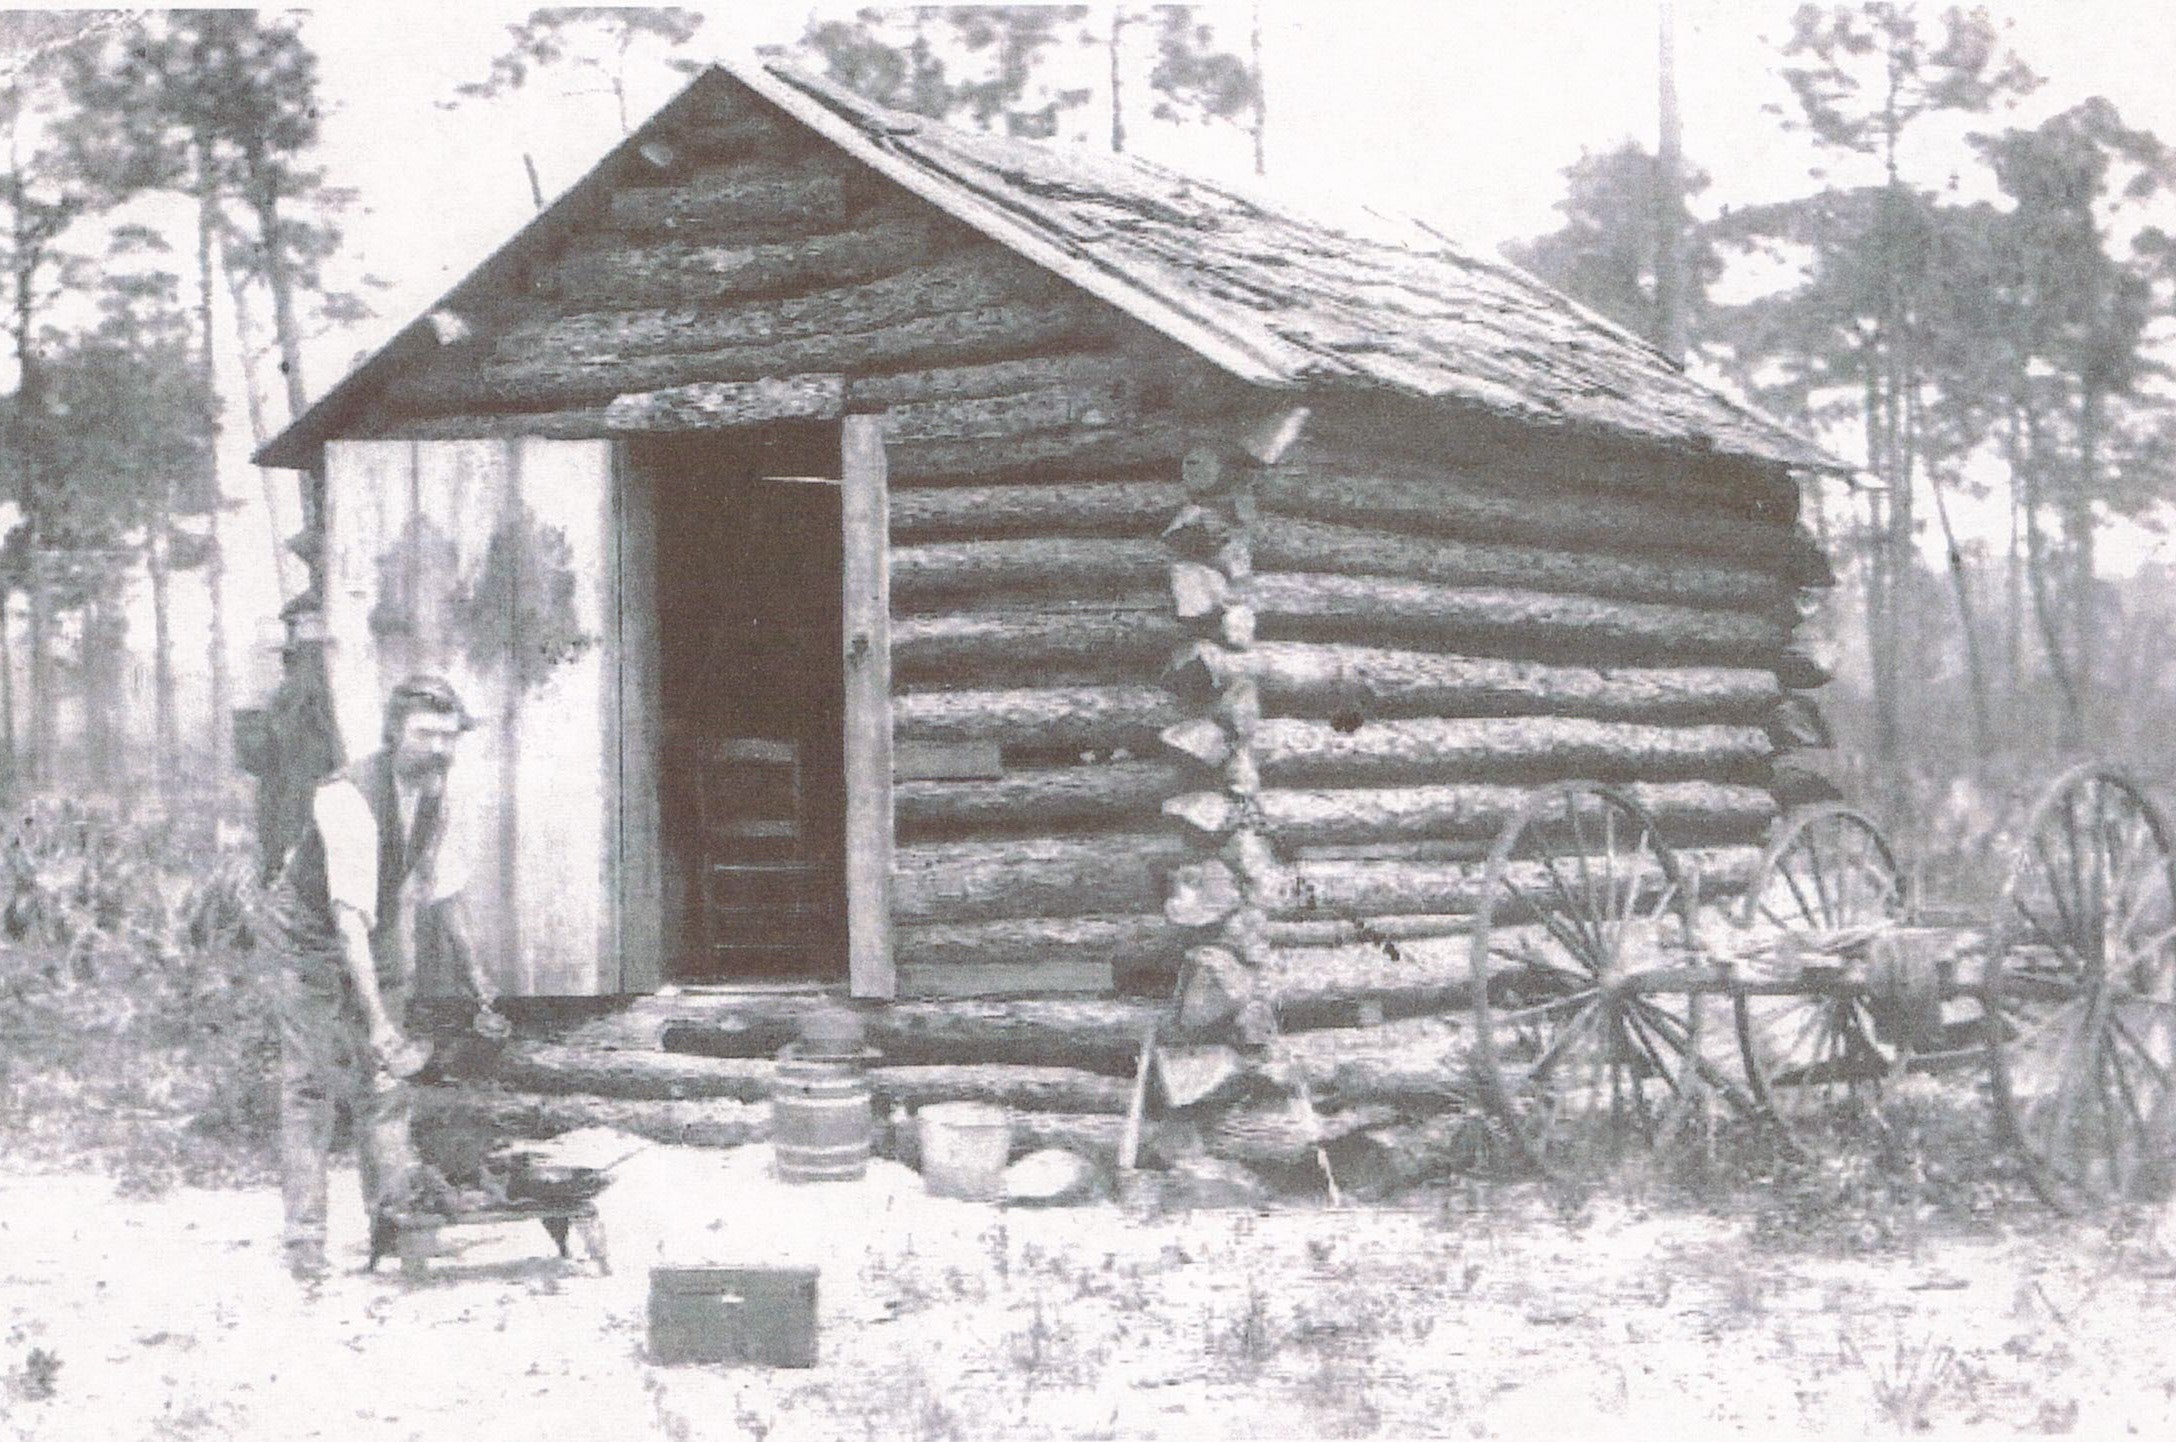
(382, 862)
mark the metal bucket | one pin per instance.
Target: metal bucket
(821, 1118)
(964, 1149)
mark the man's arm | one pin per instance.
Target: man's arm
(350, 835)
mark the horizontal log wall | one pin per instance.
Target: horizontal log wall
(1440, 626)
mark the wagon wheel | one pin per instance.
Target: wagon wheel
(1818, 1056)
(2081, 992)
(1582, 902)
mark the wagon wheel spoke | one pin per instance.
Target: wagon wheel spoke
(2079, 1088)
(1812, 1058)
(1599, 1073)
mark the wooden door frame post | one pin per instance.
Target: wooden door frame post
(865, 523)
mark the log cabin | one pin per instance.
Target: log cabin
(1080, 614)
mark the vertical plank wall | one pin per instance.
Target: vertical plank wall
(488, 562)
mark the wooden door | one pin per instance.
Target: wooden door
(499, 565)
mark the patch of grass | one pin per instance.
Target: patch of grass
(135, 1016)
(1907, 1379)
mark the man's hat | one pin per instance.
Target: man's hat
(422, 692)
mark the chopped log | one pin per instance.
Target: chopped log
(957, 283)
(1190, 1075)
(1019, 644)
(1197, 590)
(1065, 565)
(635, 1075)
(1044, 798)
(1389, 1159)
(758, 201)
(1371, 683)
(660, 1076)
(1501, 748)
(1201, 895)
(1032, 877)
(1005, 978)
(1027, 1088)
(550, 379)
(1087, 716)
(1420, 1057)
(1201, 739)
(1475, 510)
(1111, 373)
(734, 138)
(1101, 1034)
(1235, 628)
(1216, 985)
(1131, 943)
(1197, 530)
(1202, 472)
(1402, 436)
(723, 405)
(1285, 1134)
(618, 275)
(1295, 544)
(1309, 606)
(1049, 408)
(1798, 671)
(1110, 508)
(1211, 813)
(1480, 810)
(1331, 890)
(1061, 454)
(712, 1123)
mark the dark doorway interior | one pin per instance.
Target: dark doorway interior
(753, 794)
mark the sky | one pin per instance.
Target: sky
(1463, 112)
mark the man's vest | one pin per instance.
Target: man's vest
(373, 776)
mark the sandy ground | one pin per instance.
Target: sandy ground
(1471, 1315)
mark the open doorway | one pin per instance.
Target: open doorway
(752, 766)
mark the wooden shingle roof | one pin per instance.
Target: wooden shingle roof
(1357, 302)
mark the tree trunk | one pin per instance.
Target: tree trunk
(1260, 127)
(1118, 108)
(10, 757)
(165, 730)
(259, 432)
(1960, 588)
(215, 569)
(40, 770)
(2080, 525)
(280, 274)
(1670, 277)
